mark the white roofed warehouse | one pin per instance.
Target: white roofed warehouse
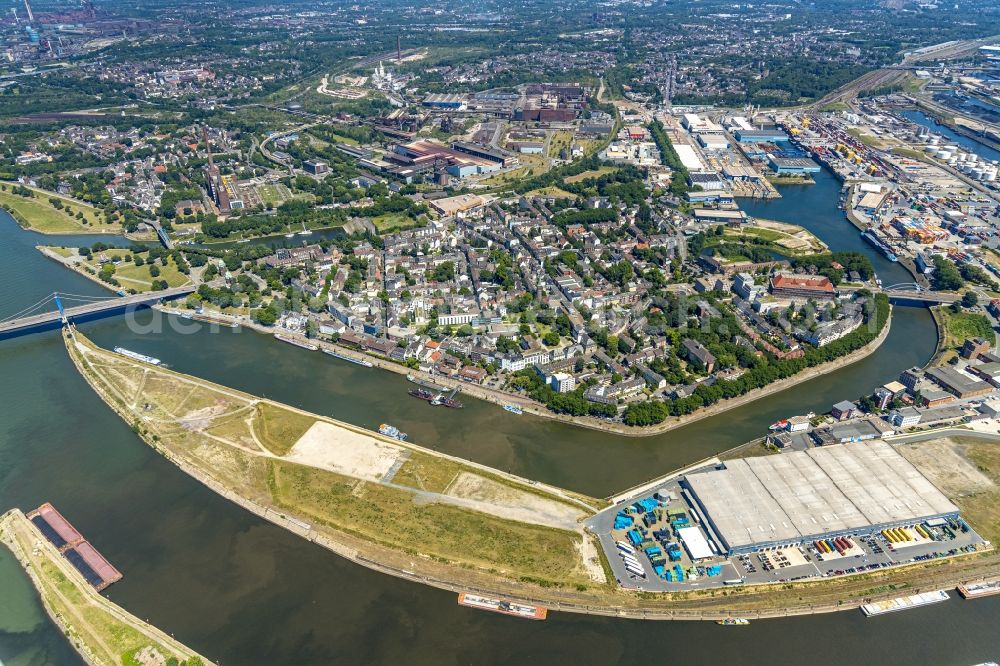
(802, 496)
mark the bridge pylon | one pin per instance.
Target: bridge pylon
(59, 306)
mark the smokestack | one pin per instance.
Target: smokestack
(31, 16)
(399, 51)
(208, 146)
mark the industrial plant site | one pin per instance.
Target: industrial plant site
(827, 511)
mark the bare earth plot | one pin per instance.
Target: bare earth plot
(944, 462)
(344, 452)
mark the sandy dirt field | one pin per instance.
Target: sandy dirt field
(943, 461)
(345, 452)
(516, 504)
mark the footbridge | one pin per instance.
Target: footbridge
(50, 313)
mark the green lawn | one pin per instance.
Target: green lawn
(39, 214)
(390, 220)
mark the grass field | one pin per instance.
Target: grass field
(982, 509)
(551, 191)
(278, 429)
(531, 165)
(560, 141)
(592, 173)
(959, 326)
(40, 214)
(390, 220)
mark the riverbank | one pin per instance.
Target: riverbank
(100, 631)
(500, 397)
(768, 600)
(67, 262)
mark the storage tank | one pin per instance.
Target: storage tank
(942, 154)
(930, 150)
(991, 175)
(973, 158)
(977, 174)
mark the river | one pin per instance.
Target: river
(245, 592)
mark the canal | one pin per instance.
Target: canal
(245, 592)
(967, 144)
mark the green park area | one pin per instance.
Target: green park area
(49, 213)
(126, 268)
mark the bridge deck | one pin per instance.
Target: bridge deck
(15, 325)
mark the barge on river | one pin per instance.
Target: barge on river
(136, 356)
(501, 606)
(297, 343)
(904, 603)
(345, 357)
(78, 551)
(977, 590)
(879, 245)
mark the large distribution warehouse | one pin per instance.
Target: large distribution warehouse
(801, 496)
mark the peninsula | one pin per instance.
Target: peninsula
(422, 515)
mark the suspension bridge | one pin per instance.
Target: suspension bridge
(51, 312)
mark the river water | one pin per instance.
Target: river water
(245, 592)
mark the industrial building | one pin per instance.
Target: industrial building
(793, 166)
(786, 500)
(761, 136)
(448, 101)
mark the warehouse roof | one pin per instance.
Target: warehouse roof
(803, 494)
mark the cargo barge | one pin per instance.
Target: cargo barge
(344, 357)
(501, 606)
(297, 343)
(208, 319)
(70, 543)
(904, 603)
(977, 590)
(136, 356)
(879, 245)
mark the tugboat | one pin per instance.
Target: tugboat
(733, 622)
(391, 431)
